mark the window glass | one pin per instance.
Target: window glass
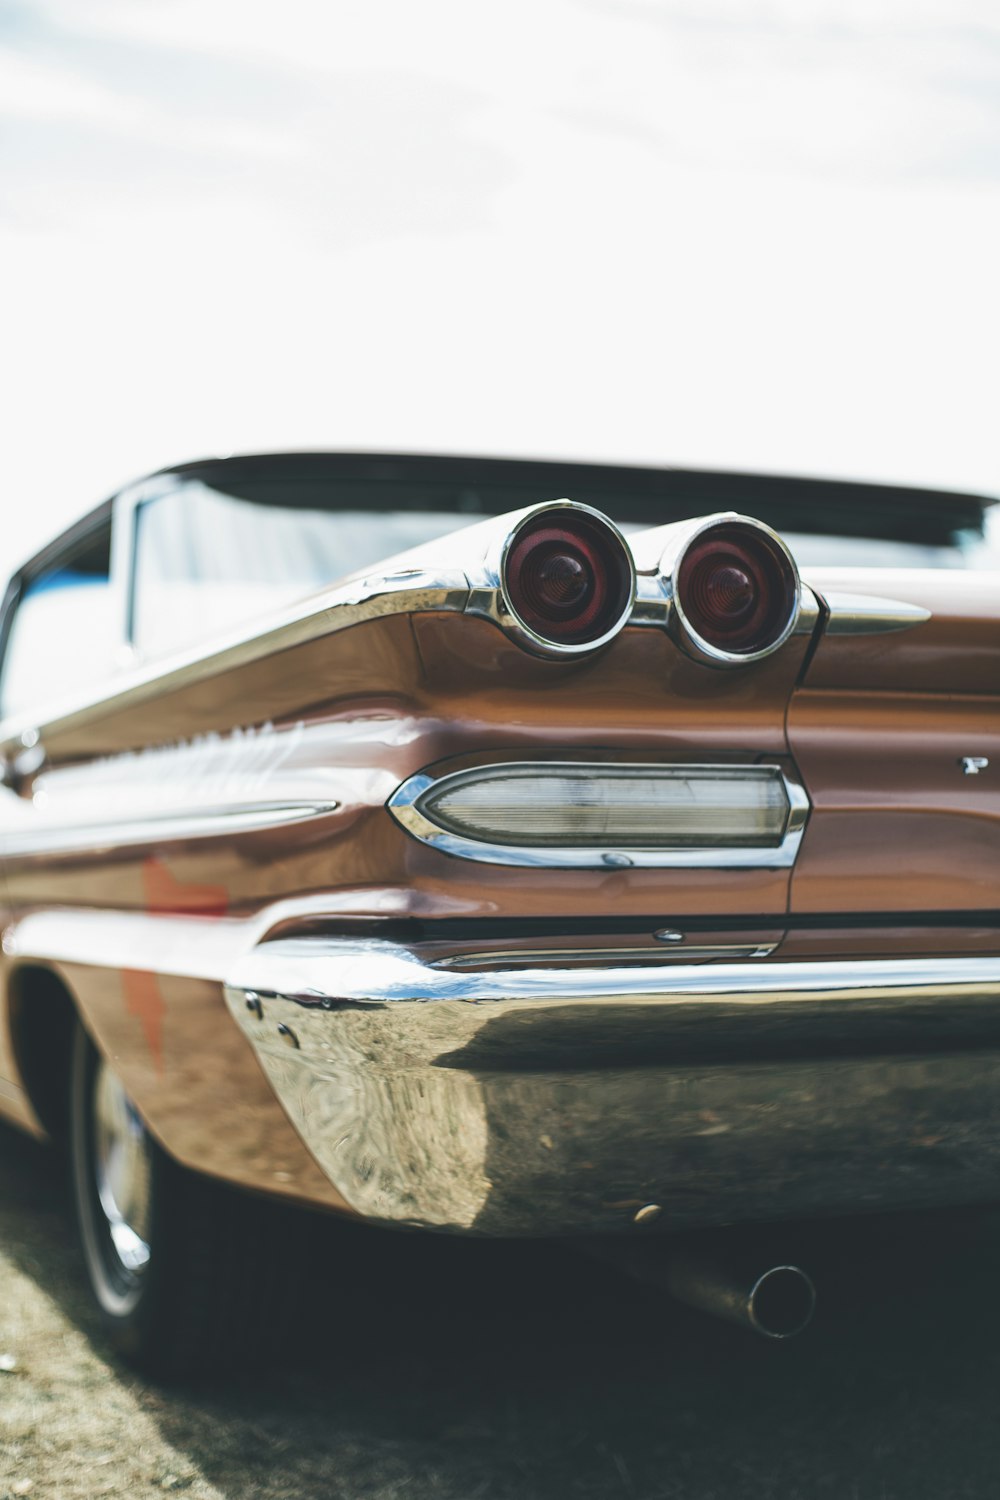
(62, 633)
(206, 561)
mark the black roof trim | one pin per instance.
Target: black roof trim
(789, 503)
(358, 463)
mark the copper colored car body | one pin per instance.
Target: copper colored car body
(224, 861)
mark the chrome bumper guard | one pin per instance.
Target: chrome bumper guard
(582, 1100)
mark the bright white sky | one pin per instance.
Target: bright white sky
(733, 233)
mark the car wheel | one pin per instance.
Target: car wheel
(182, 1268)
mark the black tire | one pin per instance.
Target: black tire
(210, 1291)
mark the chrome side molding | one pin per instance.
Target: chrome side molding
(225, 821)
(869, 614)
(252, 779)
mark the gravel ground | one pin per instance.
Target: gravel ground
(482, 1372)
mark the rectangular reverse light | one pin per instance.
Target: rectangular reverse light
(593, 814)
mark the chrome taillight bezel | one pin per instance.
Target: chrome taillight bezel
(409, 806)
(680, 626)
(510, 617)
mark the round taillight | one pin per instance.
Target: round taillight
(736, 590)
(568, 578)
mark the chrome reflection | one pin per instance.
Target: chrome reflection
(123, 1167)
(560, 1100)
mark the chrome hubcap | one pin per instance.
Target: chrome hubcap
(122, 1162)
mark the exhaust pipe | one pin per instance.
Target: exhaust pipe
(775, 1301)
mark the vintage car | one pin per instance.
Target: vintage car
(501, 848)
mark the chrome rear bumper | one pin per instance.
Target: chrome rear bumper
(583, 1100)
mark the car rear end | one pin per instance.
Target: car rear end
(700, 923)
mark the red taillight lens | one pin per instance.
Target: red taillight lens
(568, 577)
(737, 589)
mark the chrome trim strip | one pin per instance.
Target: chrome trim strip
(174, 827)
(403, 804)
(868, 614)
(525, 957)
(255, 777)
(325, 974)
